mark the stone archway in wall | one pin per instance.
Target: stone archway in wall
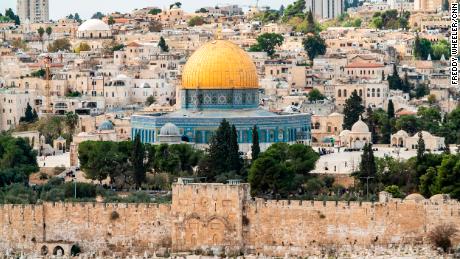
(58, 250)
(44, 250)
(205, 232)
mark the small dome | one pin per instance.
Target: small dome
(402, 133)
(425, 134)
(440, 198)
(335, 114)
(106, 125)
(145, 85)
(360, 127)
(415, 197)
(122, 77)
(344, 133)
(169, 129)
(94, 25)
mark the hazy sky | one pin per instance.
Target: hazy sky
(86, 8)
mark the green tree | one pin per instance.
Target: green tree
(427, 182)
(439, 49)
(311, 27)
(391, 109)
(10, 14)
(155, 11)
(222, 157)
(60, 45)
(196, 21)
(421, 90)
(420, 148)
(367, 170)
(150, 100)
(71, 121)
(352, 110)
(445, 5)
(408, 123)
(98, 15)
(295, 9)
(315, 95)
(422, 48)
(111, 20)
(235, 161)
(395, 82)
(29, 115)
(281, 169)
(49, 31)
(83, 46)
(255, 148)
(41, 32)
(17, 160)
(447, 180)
(177, 4)
(137, 161)
(163, 46)
(371, 122)
(429, 119)
(268, 42)
(394, 191)
(314, 45)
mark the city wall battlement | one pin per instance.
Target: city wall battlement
(220, 217)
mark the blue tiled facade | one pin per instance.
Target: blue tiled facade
(220, 99)
(279, 128)
(203, 111)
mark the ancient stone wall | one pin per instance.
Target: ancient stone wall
(98, 228)
(223, 219)
(280, 227)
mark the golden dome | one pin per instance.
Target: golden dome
(220, 64)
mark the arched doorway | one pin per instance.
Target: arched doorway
(44, 250)
(75, 250)
(58, 250)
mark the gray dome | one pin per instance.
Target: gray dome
(106, 125)
(169, 129)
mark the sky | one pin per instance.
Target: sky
(86, 8)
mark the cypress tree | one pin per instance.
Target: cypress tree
(35, 115)
(137, 161)
(235, 162)
(367, 166)
(310, 23)
(29, 115)
(163, 46)
(255, 148)
(218, 151)
(391, 109)
(420, 148)
(371, 123)
(353, 110)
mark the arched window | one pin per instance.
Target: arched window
(339, 93)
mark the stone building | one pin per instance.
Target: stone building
(357, 137)
(402, 139)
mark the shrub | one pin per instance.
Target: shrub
(441, 236)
